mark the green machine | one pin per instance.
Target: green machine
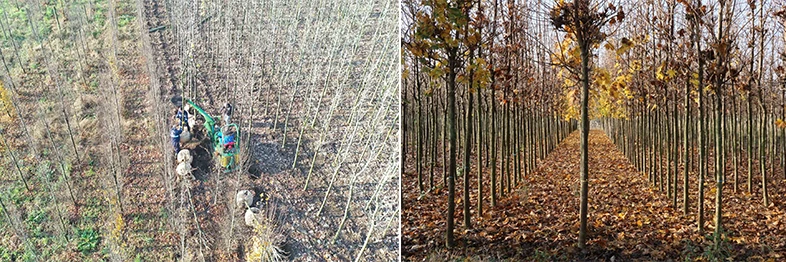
(217, 138)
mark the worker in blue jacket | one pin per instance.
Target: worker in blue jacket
(175, 135)
(182, 118)
(229, 142)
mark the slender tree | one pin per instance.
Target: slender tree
(582, 20)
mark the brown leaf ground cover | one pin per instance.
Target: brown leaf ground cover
(629, 219)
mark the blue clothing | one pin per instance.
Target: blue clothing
(229, 138)
(176, 145)
(175, 135)
(182, 116)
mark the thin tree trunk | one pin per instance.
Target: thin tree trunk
(451, 106)
(584, 168)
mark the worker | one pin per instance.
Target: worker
(189, 122)
(175, 135)
(226, 112)
(182, 118)
(184, 121)
(179, 116)
(229, 142)
(218, 136)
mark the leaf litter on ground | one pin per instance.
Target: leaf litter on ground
(629, 219)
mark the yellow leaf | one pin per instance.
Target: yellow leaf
(609, 46)
(635, 65)
(671, 73)
(660, 75)
(569, 82)
(473, 39)
(738, 240)
(625, 45)
(575, 53)
(780, 123)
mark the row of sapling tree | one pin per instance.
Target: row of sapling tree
(331, 82)
(475, 82)
(583, 22)
(709, 87)
(51, 73)
(148, 17)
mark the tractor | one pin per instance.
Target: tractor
(219, 139)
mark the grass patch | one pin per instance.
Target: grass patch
(17, 194)
(36, 216)
(163, 213)
(35, 223)
(93, 85)
(49, 13)
(720, 251)
(9, 255)
(88, 241)
(125, 20)
(30, 255)
(92, 210)
(90, 172)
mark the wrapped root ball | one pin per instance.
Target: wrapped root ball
(184, 168)
(184, 156)
(185, 136)
(244, 198)
(252, 217)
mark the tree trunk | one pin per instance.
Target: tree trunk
(702, 130)
(750, 140)
(584, 169)
(688, 150)
(493, 132)
(467, 149)
(451, 106)
(735, 140)
(478, 155)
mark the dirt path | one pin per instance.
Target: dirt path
(144, 187)
(628, 219)
(148, 236)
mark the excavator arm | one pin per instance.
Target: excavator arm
(209, 121)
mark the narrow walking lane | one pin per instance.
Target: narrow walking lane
(627, 219)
